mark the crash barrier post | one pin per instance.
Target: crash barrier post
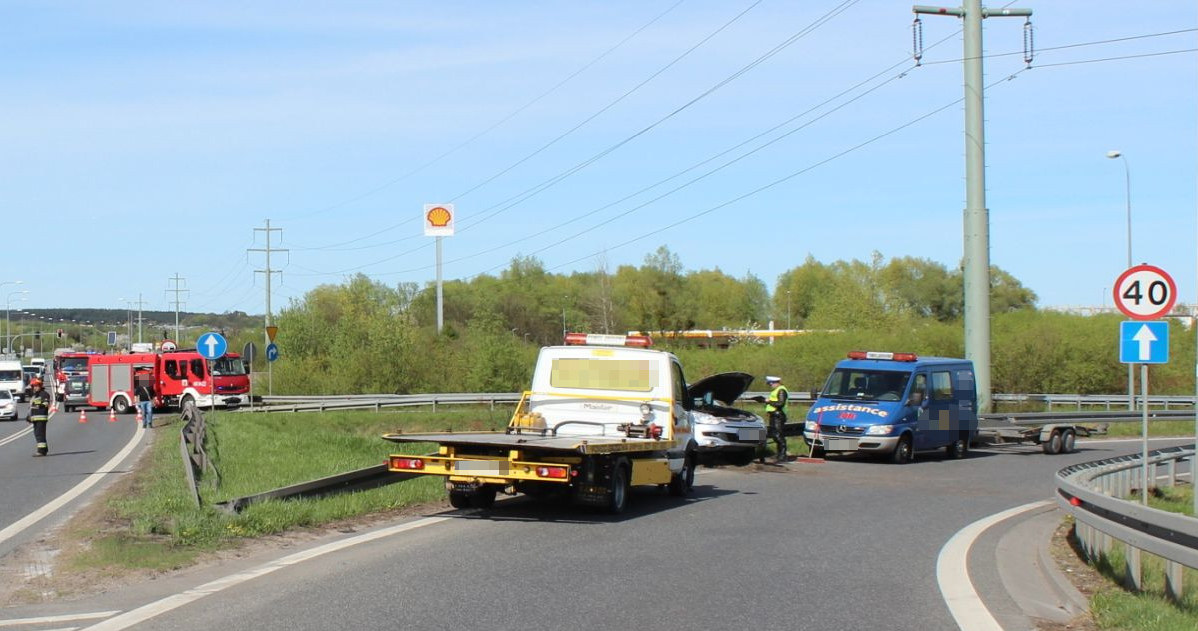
(1095, 494)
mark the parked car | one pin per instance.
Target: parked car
(74, 393)
(725, 434)
(8, 406)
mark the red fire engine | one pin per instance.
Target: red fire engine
(173, 376)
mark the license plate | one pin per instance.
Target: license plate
(751, 434)
(840, 444)
(482, 467)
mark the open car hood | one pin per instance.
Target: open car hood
(725, 386)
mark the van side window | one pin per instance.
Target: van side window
(920, 386)
(965, 380)
(197, 368)
(942, 386)
(680, 387)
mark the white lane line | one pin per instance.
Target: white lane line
(17, 436)
(145, 612)
(952, 572)
(58, 502)
(63, 618)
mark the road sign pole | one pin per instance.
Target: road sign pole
(1144, 428)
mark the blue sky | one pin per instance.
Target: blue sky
(144, 139)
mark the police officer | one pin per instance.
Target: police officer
(39, 415)
(775, 407)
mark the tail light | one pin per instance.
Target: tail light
(552, 472)
(411, 464)
(654, 430)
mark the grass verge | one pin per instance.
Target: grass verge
(149, 523)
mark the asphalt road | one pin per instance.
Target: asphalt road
(77, 450)
(846, 544)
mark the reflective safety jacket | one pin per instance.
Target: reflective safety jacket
(777, 400)
(39, 406)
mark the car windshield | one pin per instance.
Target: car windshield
(866, 385)
(228, 367)
(10, 375)
(74, 364)
(5, 394)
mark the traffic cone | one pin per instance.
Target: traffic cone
(111, 415)
(82, 416)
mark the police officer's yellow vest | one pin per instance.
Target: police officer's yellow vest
(775, 403)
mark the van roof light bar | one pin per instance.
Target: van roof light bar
(600, 339)
(898, 357)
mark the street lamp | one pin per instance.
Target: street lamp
(7, 322)
(1131, 370)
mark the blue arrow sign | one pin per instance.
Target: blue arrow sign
(1144, 342)
(272, 352)
(212, 345)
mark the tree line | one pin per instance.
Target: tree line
(362, 336)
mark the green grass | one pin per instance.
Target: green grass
(155, 525)
(1155, 428)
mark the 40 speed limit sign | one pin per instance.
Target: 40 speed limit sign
(1145, 292)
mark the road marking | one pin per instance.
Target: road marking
(952, 572)
(145, 612)
(58, 502)
(63, 618)
(17, 436)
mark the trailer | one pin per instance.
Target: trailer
(1053, 438)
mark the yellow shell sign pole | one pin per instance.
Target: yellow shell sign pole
(438, 222)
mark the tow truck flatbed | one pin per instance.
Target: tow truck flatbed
(585, 445)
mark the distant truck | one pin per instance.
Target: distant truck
(893, 405)
(174, 377)
(605, 413)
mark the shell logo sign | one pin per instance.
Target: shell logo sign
(438, 220)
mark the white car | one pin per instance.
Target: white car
(8, 406)
(724, 433)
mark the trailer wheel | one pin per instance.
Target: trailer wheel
(1053, 444)
(617, 498)
(459, 499)
(681, 484)
(902, 451)
(1068, 438)
(958, 448)
(483, 498)
(120, 405)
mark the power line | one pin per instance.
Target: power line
(177, 302)
(488, 130)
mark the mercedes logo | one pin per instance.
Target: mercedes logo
(843, 429)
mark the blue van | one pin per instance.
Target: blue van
(893, 405)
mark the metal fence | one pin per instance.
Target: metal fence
(1094, 493)
(191, 446)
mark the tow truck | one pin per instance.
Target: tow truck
(604, 413)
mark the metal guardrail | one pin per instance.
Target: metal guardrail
(191, 446)
(359, 479)
(1093, 493)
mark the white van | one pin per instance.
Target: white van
(11, 379)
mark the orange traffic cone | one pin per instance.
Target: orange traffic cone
(82, 416)
(111, 415)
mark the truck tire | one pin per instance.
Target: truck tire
(120, 405)
(459, 499)
(957, 449)
(1068, 440)
(681, 483)
(483, 497)
(1053, 444)
(902, 451)
(617, 497)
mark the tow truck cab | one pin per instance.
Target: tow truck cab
(894, 404)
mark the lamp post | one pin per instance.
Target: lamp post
(7, 321)
(1131, 370)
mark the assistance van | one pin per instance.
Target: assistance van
(893, 405)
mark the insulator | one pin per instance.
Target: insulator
(917, 40)
(1029, 43)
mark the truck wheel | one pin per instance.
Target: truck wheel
(120, 405)
(617, 498)
(902, 451)
(1068, 438)
(818, 452)
(681, 483)
(1053, 444)
(459, 499)
(957, 449)
(483, 498)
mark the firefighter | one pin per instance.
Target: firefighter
(775, 407)
(39, 416)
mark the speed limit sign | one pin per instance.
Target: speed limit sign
(1145, 292)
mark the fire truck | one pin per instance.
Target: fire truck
(174, 377)
(67, 362)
